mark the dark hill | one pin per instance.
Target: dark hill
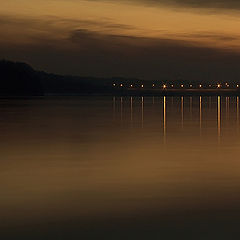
(19, 79)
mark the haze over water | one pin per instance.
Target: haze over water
(120, 168)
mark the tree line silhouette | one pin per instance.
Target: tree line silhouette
(20, 79)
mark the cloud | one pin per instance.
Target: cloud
(49, 20)
(209, 36)
(207, 4)
(31, 30)
(88, 37)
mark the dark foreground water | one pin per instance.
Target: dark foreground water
(120, 168)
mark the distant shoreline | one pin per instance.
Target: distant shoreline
(21, 80)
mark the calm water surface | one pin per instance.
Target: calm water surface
(120, 168)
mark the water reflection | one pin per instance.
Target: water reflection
(121, 108)
(200, 114)
(238, 112)
(200, 109)
(190, 107)
(192, 110)
(210, 103)
(227, 108)
(164, 118)
(182, 110)
(114, 107)
(142, 105)
(219, 118)
(67, 160)
(131, 108)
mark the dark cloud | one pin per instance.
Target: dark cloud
(208, 36)
(210, 4)
(118, 41)
(228, 4)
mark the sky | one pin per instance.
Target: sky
(147, 39)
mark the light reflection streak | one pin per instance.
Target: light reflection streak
(164, 118)
(190, 107)
(182, 109)
(200, 114)
(142, 112)
(219, 118)
(238, 113)
(121, 107)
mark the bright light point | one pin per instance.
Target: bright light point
(200, 85)
(182, 85)
(164, 86)
(237, 86)
(114, 84)
(210, 85)
(142, 86)
(131, 85)
(121, 85)
(219, 85)
(153, 85)
(172, 86)
(190, 85)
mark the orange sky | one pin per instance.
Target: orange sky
(108, 38)
(218, 28)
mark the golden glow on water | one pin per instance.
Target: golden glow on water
(69, 158)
